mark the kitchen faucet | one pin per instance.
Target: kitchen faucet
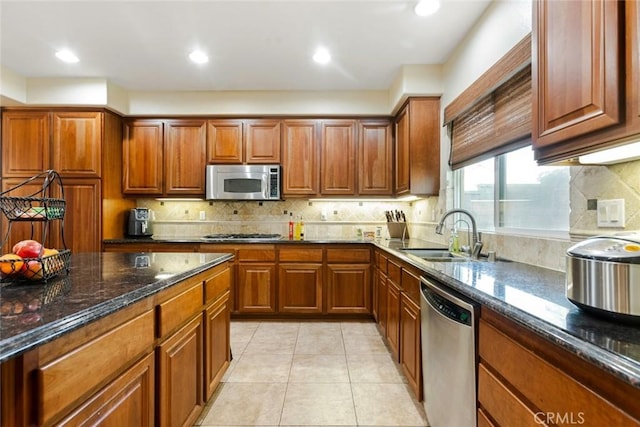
(477, 244)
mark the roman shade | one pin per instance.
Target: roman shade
(493, 115)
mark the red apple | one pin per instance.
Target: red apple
(27, 249)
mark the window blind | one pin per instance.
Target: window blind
(493, 116)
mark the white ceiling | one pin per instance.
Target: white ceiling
(252, 45)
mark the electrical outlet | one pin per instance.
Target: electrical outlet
(610, 213)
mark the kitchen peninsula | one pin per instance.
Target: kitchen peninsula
(132, 337)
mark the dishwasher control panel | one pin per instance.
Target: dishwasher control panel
(446, 307)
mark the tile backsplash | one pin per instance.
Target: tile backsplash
(341, 219)
(322, 219)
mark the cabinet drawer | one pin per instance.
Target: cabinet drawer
(349, 255)
(411, 285)
(172, 313)
(547, 388)
(66, 379)
(218, 284)
(503, 406)
(300, 255)
(382, 263)
(257, 254)
(394, 272)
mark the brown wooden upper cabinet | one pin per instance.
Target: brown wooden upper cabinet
(185, 157)
(164, 157)
(338, 157)
(375, 158)
(585, 76)
(142, 157)
(243, 141)
(300, 158)
(69, 142)
(417, 161)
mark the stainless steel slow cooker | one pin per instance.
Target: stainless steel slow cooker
(603, 276)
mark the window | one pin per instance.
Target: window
(511, 193)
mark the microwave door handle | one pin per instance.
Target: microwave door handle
(265, 187)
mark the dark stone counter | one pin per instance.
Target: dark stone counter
(98, 284)
(535, 298)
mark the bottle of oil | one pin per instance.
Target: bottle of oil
(297, 230)
(290, 225)
(301, 228)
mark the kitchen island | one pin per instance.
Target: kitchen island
(133, 337)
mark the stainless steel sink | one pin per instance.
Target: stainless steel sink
(436, 255)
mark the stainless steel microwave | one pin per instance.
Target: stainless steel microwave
(243, 182)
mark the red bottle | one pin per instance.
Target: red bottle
(291, 226)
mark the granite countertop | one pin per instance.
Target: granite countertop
(535, 298)
(97, 285)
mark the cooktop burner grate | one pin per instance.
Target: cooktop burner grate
(242, 236)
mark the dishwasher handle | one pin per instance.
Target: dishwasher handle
(447, 304)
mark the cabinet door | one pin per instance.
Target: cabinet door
(410, 351)
(300, 165)
(402, 152)
(338, 158)
(77, 144)
(83, 217)
(184, 154)
(224, 141)
(577, 68)
(381, 292)
(262, 141)
(256, 288)
(393, 319)
(375, 158)
(216, 343)
(349, 288)
(25, 143)
(300, 288)
(127, 401)
(142, 154)
(180, 390)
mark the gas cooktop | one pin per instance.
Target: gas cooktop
(241, 237)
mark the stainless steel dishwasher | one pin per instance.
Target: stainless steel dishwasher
(448, 331)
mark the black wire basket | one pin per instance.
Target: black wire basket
(44, 205)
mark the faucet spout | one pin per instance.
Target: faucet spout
(477, 243)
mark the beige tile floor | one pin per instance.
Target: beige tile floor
(311, 374)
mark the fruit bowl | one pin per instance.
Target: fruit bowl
(36, 269)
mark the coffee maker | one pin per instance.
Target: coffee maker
(139, 223)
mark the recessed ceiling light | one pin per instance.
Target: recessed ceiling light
(199, 57)
(427, 7)
(67, 56)
(322, 56)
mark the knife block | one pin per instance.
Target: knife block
(397, 229)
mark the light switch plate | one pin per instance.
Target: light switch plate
(610, 213)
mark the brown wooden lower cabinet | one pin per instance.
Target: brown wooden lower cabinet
(381, 304)
(300, 288)
(410, 348)
(525, 380)
(126, 401)
(217, 341)
(180, 390)
(349, 288)
(256, 288)
(393, 319)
